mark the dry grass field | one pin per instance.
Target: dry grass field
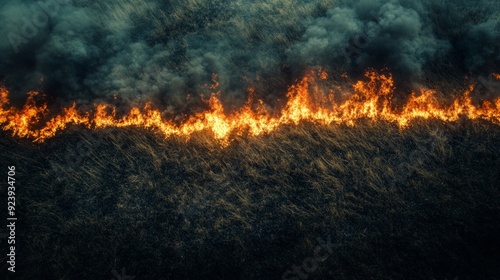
(422, 203)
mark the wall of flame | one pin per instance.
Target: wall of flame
(308, 100)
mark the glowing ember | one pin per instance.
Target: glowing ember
(307, 101)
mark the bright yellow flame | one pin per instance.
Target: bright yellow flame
(308, 100)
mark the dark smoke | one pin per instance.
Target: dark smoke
(166, 51)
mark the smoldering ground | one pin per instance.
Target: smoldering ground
(167, 51)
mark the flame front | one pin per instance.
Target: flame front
(308, 100)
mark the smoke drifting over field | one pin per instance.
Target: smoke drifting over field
(167, 51)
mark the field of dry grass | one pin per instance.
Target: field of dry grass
(422, 203)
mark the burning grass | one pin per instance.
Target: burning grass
(313, 98)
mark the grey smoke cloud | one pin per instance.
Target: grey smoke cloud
(166, 51)
(481, 45)
(372, 34)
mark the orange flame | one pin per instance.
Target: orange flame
(308, 100)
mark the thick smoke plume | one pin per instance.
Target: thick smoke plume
(167, 51)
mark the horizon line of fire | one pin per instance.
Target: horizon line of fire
(308, 100)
